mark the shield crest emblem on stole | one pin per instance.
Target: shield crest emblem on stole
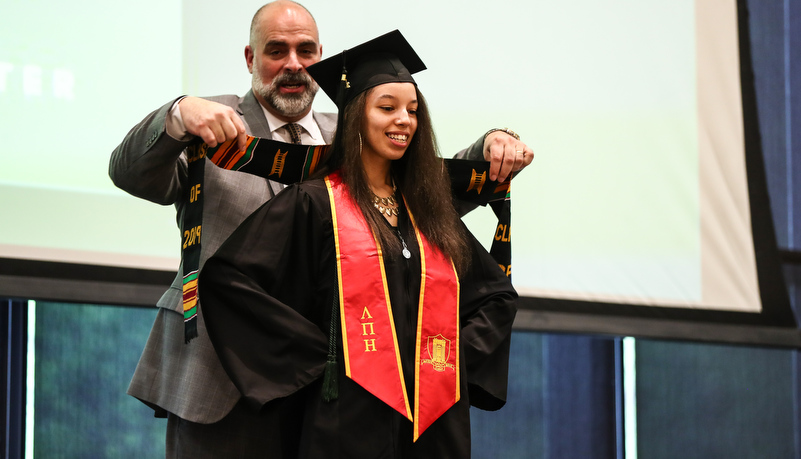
(439, 351)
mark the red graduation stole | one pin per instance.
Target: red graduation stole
(369, 340)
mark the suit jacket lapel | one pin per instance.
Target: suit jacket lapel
(327, 123)
(254, 116)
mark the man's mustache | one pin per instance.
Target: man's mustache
(294, 78)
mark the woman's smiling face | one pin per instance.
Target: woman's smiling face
(390, 121)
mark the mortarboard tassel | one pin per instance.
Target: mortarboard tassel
(330, 379)
(343, 87)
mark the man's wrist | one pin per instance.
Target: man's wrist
(506, 130)
(174, 123)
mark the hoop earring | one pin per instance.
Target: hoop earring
(360, 144)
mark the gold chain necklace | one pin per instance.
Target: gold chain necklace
(388, 205)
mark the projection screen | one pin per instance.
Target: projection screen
(637, 197)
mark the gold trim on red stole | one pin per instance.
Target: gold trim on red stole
(440, 296)
(364, 295)
(363, 290)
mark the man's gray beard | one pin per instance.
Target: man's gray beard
(289, 105)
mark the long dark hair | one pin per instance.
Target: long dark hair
(419, 176)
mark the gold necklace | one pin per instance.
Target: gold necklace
(388, 205)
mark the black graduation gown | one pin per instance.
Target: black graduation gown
(267, 299)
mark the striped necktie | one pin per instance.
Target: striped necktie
(294, 130)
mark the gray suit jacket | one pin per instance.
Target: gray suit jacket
(188, 379)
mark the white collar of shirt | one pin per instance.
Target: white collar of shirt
(311, 134)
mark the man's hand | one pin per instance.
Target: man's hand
(506, 155)
(213, 122)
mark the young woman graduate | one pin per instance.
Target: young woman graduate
(355, 308)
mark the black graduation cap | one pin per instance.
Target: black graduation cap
(385, 59)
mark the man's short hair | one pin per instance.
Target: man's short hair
(254, 23)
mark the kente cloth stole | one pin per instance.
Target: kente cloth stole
(369, 340)
(289, 163)
(469, 183)
(278, 161)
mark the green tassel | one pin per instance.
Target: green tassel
(330, 383)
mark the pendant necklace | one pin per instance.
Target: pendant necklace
(388, 205)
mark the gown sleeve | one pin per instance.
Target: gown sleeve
(265, 294)
(487, 313)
